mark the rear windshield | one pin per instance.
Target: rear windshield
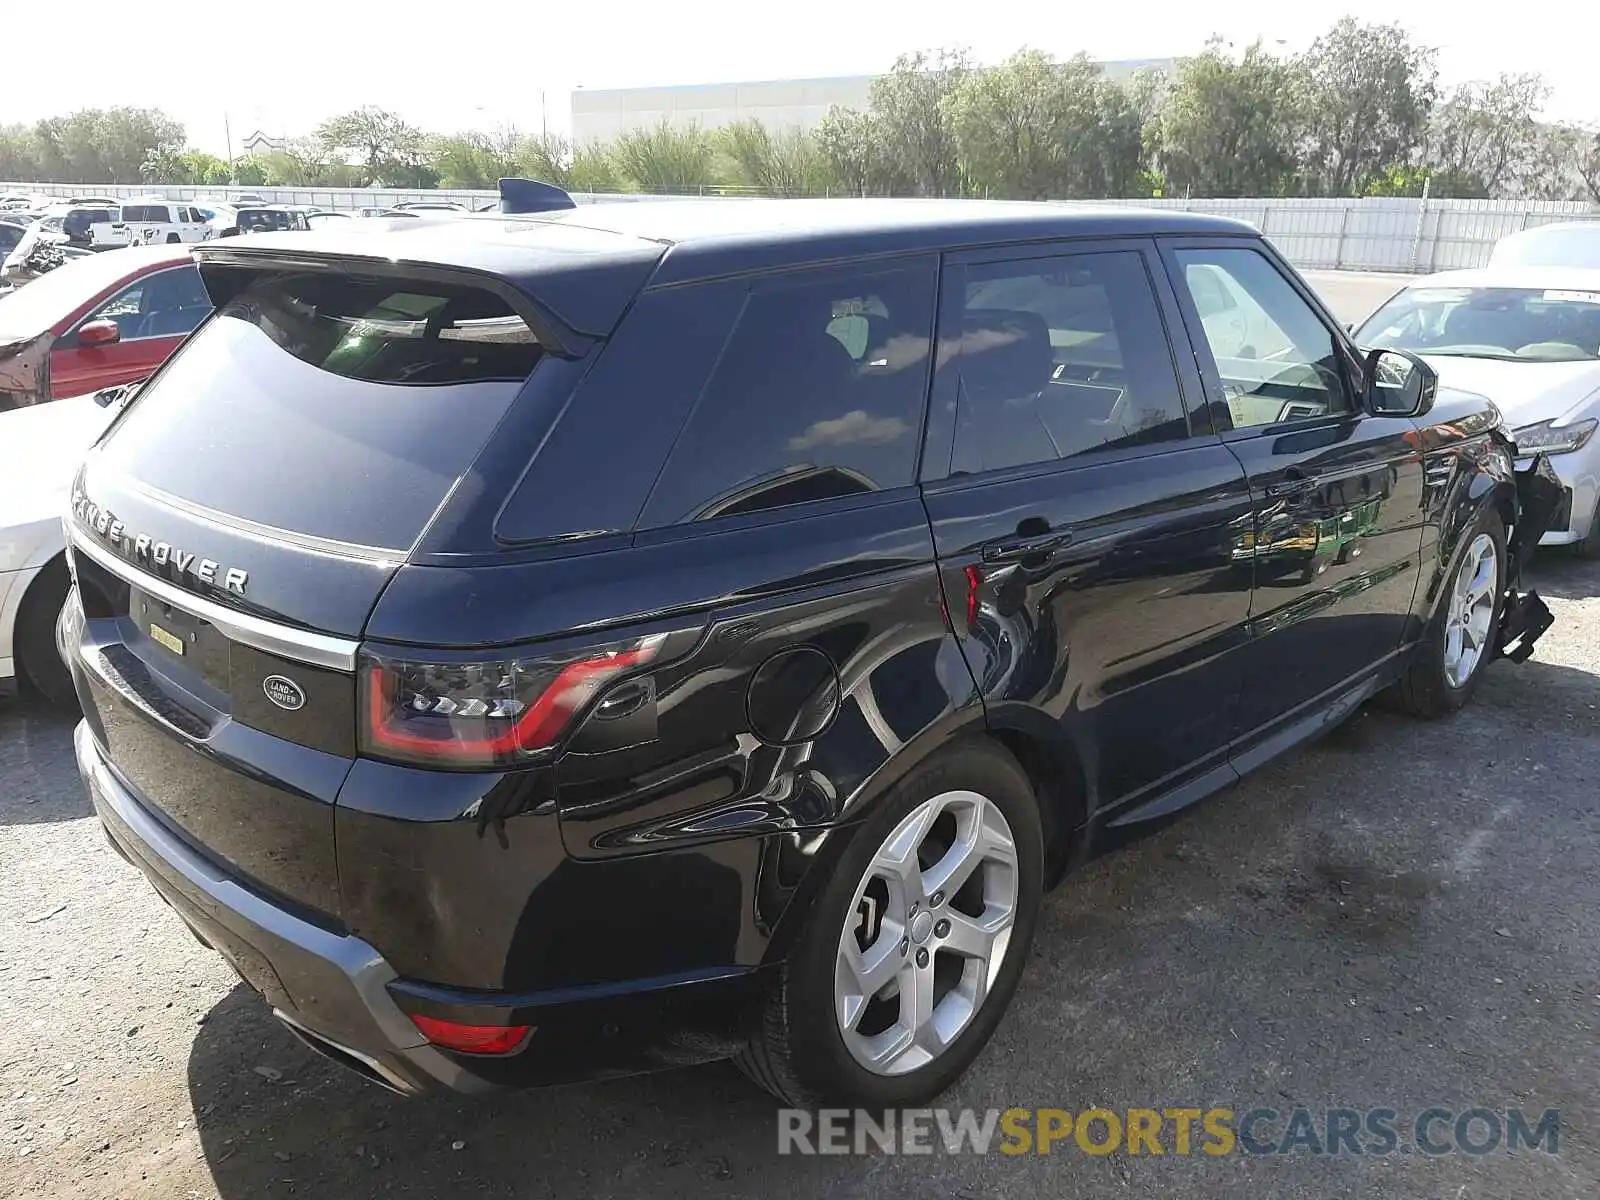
(329, 405)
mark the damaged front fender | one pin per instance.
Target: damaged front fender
(1525, 617)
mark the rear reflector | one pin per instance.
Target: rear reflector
(471, 1039)
(481, 714)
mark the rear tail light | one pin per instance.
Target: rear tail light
(471, 1039)
(477, 713)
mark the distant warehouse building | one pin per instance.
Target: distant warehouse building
(602, 114)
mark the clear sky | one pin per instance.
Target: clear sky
(449, 65)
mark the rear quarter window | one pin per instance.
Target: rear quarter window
(329, 405)
(738, 396)
(818, 393)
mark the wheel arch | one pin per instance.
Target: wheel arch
(1060, 782)
(34, 593)
(1481, 493)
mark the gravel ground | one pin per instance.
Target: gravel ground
(1401, 916)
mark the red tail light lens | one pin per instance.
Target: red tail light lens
(471, 1039)
(484, 713)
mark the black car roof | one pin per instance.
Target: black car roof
(585, 264)
(719, 237)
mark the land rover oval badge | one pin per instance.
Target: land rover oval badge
(285, 693)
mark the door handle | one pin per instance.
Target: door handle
(1041, 545)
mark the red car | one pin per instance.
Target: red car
(97, 321)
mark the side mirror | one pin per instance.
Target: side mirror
(1399, 384)
(99, 333)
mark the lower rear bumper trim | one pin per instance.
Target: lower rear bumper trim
(329, 987)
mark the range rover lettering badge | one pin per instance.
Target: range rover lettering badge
(285, 693)
(162, 558)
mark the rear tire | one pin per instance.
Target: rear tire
(970, 802)
(37, 657)
(1447, 664)
(173, 238)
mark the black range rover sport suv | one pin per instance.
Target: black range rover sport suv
(531, 648)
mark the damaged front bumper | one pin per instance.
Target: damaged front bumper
(1525, 616)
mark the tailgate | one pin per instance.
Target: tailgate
(232, 532)
(179, 683)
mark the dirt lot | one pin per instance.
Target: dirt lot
(1407, 914)
(1401, 916)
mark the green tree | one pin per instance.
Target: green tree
(1229, 128)
(593, 169)
(1033, 128)
(125, 138)
(96, 145)
(1487, 135)
(203, 168)
(250, 172)
(908, 106)
(666, 159)
(1369, 90)
(164, 166)
(469, 160)
(19, 157)
(1588, 163)
(390, 147)
(786, 163)
(854, 146)
(551, 158)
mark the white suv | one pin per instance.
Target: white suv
(153, 222)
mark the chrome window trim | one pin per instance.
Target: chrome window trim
(301, 645)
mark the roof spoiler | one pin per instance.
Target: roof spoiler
(531, 196)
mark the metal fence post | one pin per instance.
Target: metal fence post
(1338, 250)
(1422, 216)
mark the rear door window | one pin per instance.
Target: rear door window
(1057, 357)
(329, 405)
(818, 393)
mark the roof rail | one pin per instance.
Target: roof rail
(531, 196)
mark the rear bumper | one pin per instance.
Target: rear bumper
(343, 998)
(332, 986)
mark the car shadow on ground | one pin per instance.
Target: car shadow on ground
(1558, 572)
(35, 755)
(275, 1117)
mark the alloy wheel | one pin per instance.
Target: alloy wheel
(1470, 615)
(929, 927)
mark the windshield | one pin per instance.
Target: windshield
(32, 309)
(1516, 324)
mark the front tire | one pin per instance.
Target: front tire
(1464, 635)
(37, 655)
(916, 943)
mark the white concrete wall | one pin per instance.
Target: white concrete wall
(603, 115)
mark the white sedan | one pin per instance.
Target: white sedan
(40, 448)
(1529, 339)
